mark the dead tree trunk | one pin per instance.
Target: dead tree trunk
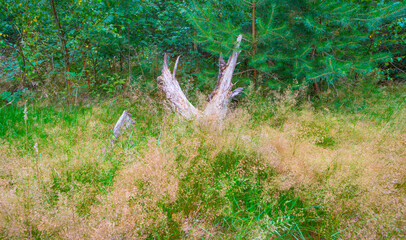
(176, 98)
(218, 99)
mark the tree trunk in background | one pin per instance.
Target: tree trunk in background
(129, 56)
(254, 44)
(194, 41)
(83, 54)
(85, 70)
(23, 77)
(121, 62)
(95, 69)
(218, 99)
(316, 88)
(61, 34)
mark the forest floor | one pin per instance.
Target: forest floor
(273, 169)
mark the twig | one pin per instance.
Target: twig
(7, 104)
(244, 71)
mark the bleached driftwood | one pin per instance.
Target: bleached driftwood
(218, 99)
(124, 122)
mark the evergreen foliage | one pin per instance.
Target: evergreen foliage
(278, 167)
(70, 47)
(298, 41)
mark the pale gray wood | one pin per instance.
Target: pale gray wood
(218, 99)
(124, 122)
(222, 67)
(176, 98)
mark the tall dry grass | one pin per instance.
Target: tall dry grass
(301, 173)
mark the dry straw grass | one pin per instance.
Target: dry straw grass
(179, 182)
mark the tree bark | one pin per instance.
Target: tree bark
(174, 94)
(124, 122)
(218, 99)
(254, 43)
(222, 94)
(61, 34)
(129, 56)
(83, 54)
(85, 70)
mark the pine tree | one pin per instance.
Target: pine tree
(297, 41)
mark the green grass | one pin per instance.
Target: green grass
(275, 169)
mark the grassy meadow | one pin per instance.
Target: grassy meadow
(279, 167)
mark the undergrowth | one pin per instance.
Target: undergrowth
(277, 167)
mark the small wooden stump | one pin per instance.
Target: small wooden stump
(123, 123)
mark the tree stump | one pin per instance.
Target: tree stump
(218, 99)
